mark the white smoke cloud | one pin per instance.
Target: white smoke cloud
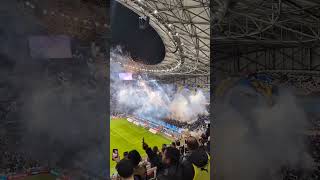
(150, 99)
(188, 107)
(254, 141)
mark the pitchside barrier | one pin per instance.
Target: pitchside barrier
(153, 131)
(130, 120)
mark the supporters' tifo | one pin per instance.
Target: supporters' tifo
(158, 130)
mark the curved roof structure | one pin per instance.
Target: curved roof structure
(184, 26)
(278, 37)
(280, 21)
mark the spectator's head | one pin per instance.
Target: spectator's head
(173, 144)
(171, 156)
(134, 157)
(155, 149)
(178, 143)
(164, 146)
(192, 143)
(125, 168)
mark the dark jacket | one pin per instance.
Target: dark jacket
(199, 158)
(171, 173)
(164, 172)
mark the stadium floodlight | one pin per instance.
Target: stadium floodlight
(155, 11)
(169, 25)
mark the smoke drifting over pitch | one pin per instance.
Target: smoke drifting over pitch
(147, 98)
(254, 141)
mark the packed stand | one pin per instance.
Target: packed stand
(12, 162)
(195, 125)
(178, 161)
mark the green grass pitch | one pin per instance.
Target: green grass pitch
(126, 136)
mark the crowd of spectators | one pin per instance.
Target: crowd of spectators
(174, 122)
(12, 161)
(200, 123)
(180, 160)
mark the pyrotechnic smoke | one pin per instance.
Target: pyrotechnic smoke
(150, 99)
(254, 141)
(62, 125)
(187, 108)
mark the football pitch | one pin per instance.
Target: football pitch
(126, 136)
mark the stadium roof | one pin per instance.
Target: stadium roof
(280, 37)
(184, 26)
(265, 21)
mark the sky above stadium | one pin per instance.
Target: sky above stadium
(144, 45)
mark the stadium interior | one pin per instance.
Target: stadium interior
(56, 83)
(159, 89)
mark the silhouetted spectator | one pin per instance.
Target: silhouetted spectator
(139, 169)
(171, 161)
(125, 169)
(153, 157)
(197, 157)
